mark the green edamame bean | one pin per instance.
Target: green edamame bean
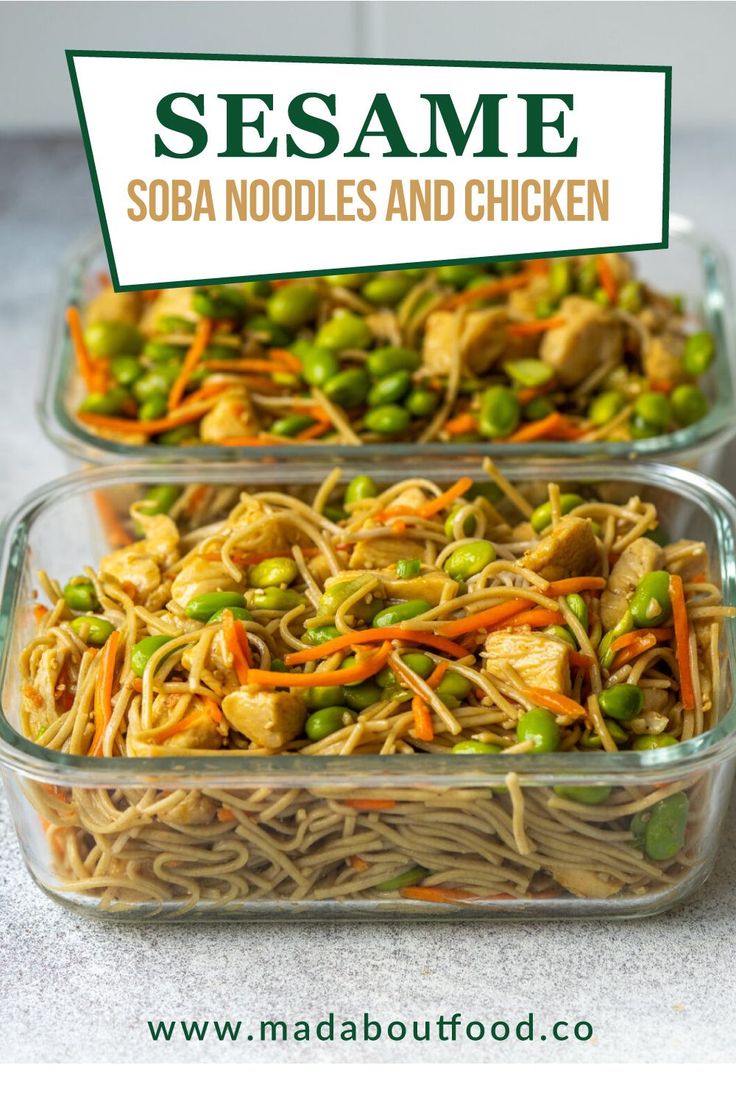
(542, 516)
(561, 632)
(421, 402)
(389, 389)
(160, 499)
(326, 721)
(144, 649)
(181, 435)
(218, 302)
(174, 324)
(275, 571)
(412, 876)
(560, 278)
(388, 420)
(158, 381)
(344, 331)
(587, 277)
(336, 594)
(699, 352)
(545, 308)
(592, 740)
(654, 409)
(584, 795)
(112, 339)
(238, 613)
(362, 486)
(391, 358)
(454, 685)
(650, 604)
(274, 598)
(689, 404)
(363, 695)
(202, 606)
(622, 702)
(540, 726)
(660, 830)
(469, 525)
(126, 370)
(500, 412)
(291, 425)
(266, 330)
(529, 373)
(408, 569)
(631, 297)
(458, 276)
(156, 407)
(321, 635)
(111, 402)
(601, 297)
(401, 611)
(469, 560)
(640, 430)
(320, 365)
(652, 741)
(538, 408)
(334, 513)
(419, 663)
(161, 352)
(348, 388)
(578, 608)
(605, 406)
(94, 629)
(324, 697)
(625, 625)
(79, 594)
(386, 290)
(292, 305)
(475, 747)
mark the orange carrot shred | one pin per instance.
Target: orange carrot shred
(225, 815)
(441, 502)
(237, 642)
(422, 720)
(367, 804)
(606, 278)
(556, 703)
(682, 640)
(191, 360)
(437, 675)
(492, 290)
(103, 690)
(555, 427)
(461, 423)
(485, 618)
(575, 585)
(535, 619)
(85, 363)
(373, 636)
(533, 326)
(340, 677)
(632, 637)
(357, 863)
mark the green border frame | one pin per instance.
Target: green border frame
(665, 70)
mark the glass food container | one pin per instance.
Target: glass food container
(691, 267)
(102, 835)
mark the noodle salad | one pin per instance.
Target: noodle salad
(572, 349)
(414, 619)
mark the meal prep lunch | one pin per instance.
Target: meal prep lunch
(564, 350)
(463, 622)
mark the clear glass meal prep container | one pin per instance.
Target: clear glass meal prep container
(64, 805)
(691, 266)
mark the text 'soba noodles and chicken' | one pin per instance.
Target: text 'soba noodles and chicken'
(416, 619)
(573, 349)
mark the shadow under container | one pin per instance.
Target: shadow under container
(691, 267)
(103, 836)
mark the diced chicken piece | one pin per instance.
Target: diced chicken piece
(139, 565)
(687, 558)
(441, 342)
(523, 532)
(541, 661)
(641, 556)
(202, 732)
(171, 301)
(413, 498)
(270, 718)
(383, 551)
(525, 300)
(484, 339)
(193, 809)
(589, 338)
(232, 415)
(320, 569)
(568, 550)
(430, 586)
(200, 576)
(663, 359)
(656, 699)
(114, 306)
(586, 883)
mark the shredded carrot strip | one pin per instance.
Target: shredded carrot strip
(577, 659)
(287, 360)
(115, 531)
(462, 423)
(85, 364)
(367, 804)
(555, 427)
(39, 612)
(180, 726)
(441, 502)
(249, 442)
(492, 290)
(373, 636)
(241, 364)
(483, 620)
(557, 703)
(357, 863)
(191, 360)
(341, 677)
(213, 709)
(422, 720)
(225, 815)
(537, 266)
(629, 638)
(625, 655)
(535, 619)
(606, 277)
(103, 690)
(526, 394)
(533, 326)
(438, 894)
(437, 675)
(205, 392)
(662, 385)
(317, 430)
(575, 585)
(682, 640)
(237, 642)
(179, 417)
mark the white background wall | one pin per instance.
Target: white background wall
(697, 39)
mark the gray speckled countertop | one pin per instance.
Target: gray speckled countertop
(75, 989)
